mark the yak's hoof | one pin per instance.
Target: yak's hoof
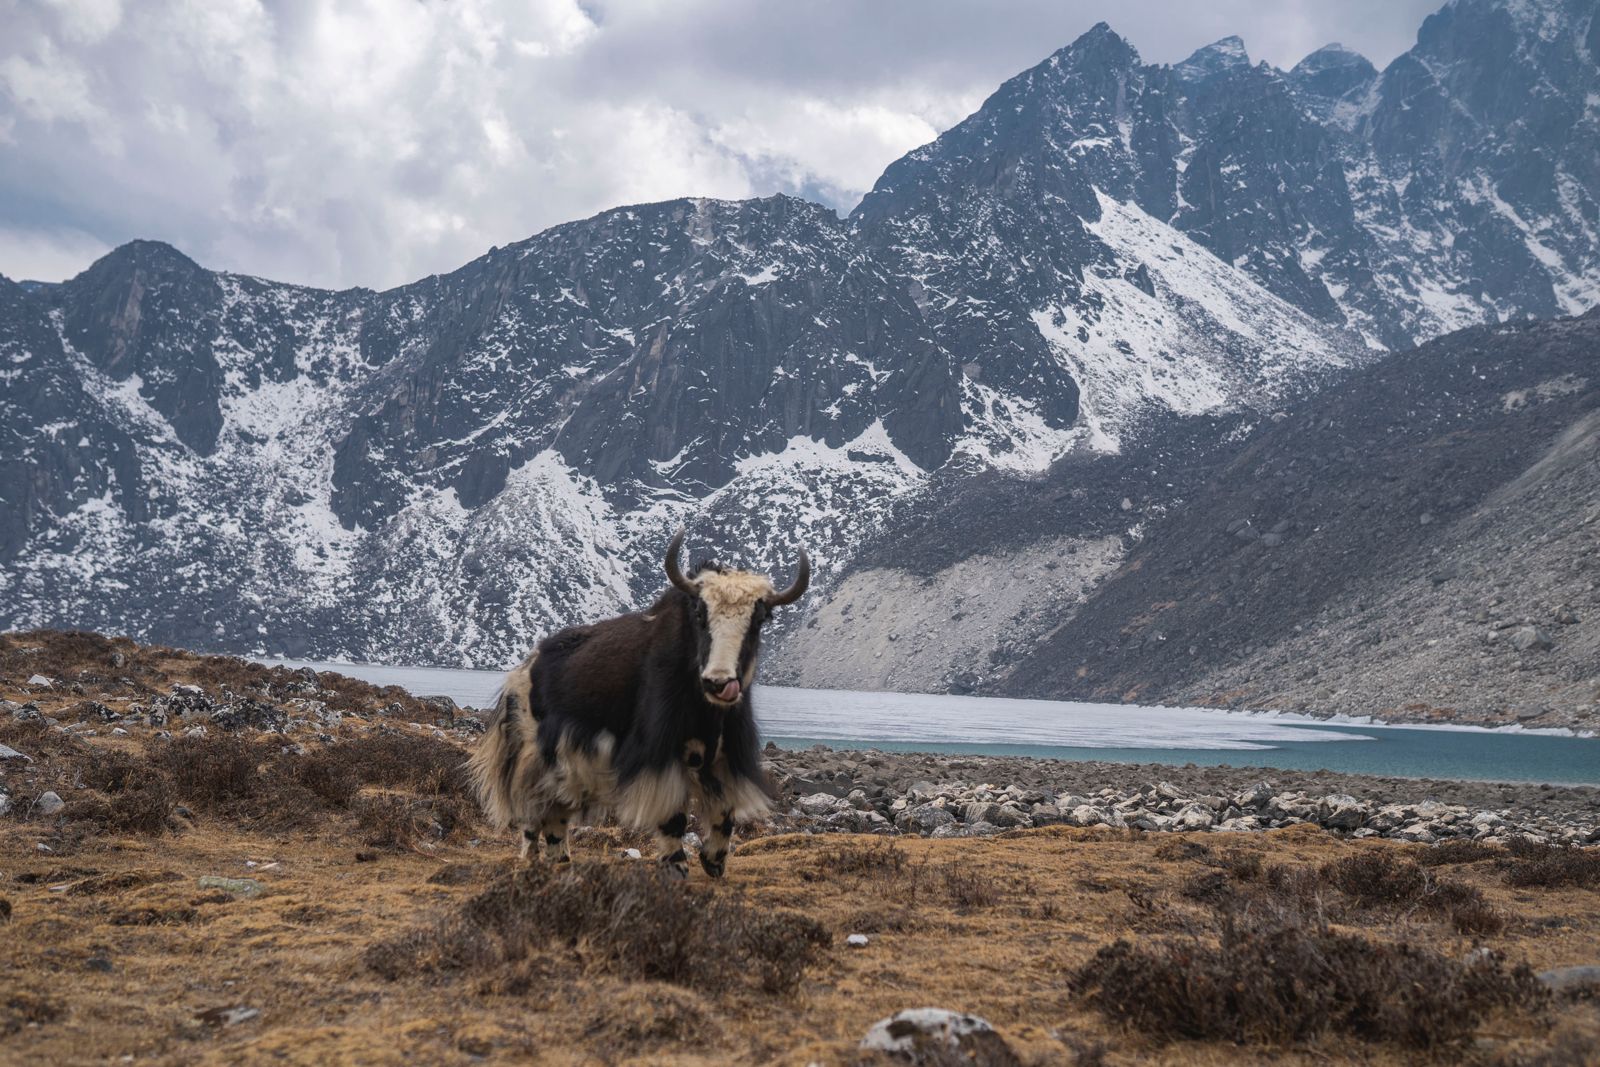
(714, 867)
(676, 865)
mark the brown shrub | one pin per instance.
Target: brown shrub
(644, 1014)
(42, 741)
(969, 889)
(1456, 850)
(1391, 883)
(1283, 982)
(884, 860)
(19, 1010)
(1536, 863)
(394, 821)
(628, 919)
(1182, 848)
(1566, 1049)
(395, 760)
(211, 772)
(139, 796)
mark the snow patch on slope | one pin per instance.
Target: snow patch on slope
(1209, 337)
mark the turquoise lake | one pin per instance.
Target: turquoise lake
(912, 722)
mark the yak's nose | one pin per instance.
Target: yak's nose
(722, 688)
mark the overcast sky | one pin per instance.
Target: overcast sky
(372, 143)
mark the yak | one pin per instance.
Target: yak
(642, 715)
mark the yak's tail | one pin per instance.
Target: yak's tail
(496, 765)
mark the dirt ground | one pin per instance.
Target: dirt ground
(115, 953)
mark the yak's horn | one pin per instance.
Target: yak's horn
(801, 581)
(674, 575)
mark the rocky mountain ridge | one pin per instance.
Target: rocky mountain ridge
(1110, 261)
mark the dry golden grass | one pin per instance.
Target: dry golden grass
(114, 949)
(390, 932)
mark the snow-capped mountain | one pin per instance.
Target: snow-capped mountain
(440, 472)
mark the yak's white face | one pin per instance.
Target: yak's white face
(735, 606)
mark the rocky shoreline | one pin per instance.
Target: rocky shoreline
(940, 795)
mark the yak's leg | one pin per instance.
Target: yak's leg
(669, 845)
(556, 830)
(717, 820)
(530, 846)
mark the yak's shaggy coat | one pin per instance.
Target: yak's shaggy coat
(641, 715)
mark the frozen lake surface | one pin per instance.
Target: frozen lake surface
(1115, 732)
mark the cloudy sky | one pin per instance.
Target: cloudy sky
(357, 142)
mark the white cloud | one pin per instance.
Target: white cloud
(345, 142)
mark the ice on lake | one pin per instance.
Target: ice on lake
(909, 718)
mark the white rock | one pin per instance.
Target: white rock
(632, 853)
(49, 803)
(818, 804)
(41, 681)
(856, 940)
(910, 1032)
(7, 753)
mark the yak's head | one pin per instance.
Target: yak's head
(729, 608)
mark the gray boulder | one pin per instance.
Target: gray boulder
(1531, 638)
(924, 819)
(1342, 812)
(818, 804)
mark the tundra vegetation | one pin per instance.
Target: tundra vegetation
(307, 879)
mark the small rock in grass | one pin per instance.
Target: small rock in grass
(632, 853)
(856, 940)
(239, 887)
(224, 1017)
(49, 803)
(934, 1035)
(41, 682)
(1572, 979)
(9, 753)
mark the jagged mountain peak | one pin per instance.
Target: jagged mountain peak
(1331, 74)
(1099, 42)
(148, 254)
(1218, 57)
(1332, 56)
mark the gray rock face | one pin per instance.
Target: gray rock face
(1106, 244)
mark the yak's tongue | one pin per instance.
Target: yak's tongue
(730, 692)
